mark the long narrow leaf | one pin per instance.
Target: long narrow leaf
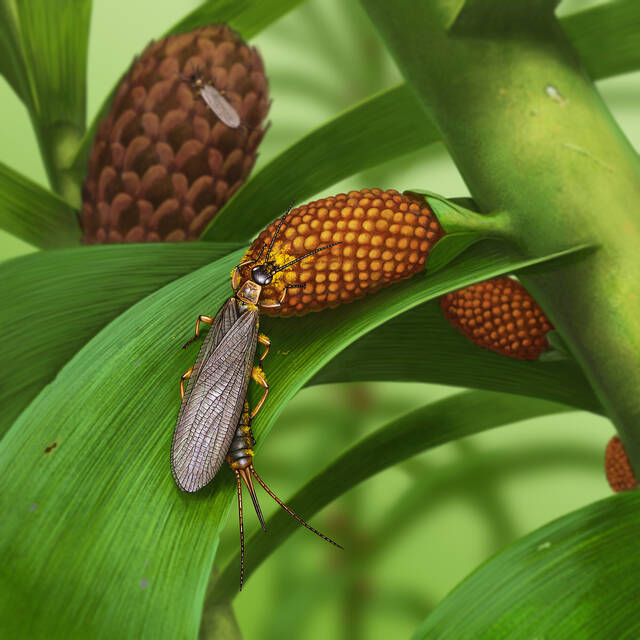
(345, 145)
(419, 345)
(56, 301)
(55, 38)
(606, 37)
(12, 65)
(576, 577)
(92, 529)
(455, 417)
(34, 214)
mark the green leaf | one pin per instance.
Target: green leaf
(422, 346)
(55, 37)
(348, 144)
(606, 37)
(497, 18)
(449, 247)
(96, 532)
(45, 59)
(56, 301)
(576, 577)
(12, 65)
(34, 214)
(212, 12)
(434, 424)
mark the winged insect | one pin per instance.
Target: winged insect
(213, 98)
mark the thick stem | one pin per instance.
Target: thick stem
(531, 135)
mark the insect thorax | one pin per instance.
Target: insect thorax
(249, 292)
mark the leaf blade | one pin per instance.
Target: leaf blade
(606, 37)
(584, 563)
(75, 305)
(55, 40)
(34, 214)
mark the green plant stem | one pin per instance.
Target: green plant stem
(531, 135)
(59, 144)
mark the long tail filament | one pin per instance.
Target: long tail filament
(245, 475)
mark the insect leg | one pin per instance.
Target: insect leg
(275, 305)
(185, 376)
(266, 342)
(206, 320)
(258, 375)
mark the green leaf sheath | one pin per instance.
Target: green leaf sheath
(34, 214)
(455, 417)
(374, 131)
(576, 577)
(531, 136)
(54, 43)
(606, 37)
(102, 508)
(377, 130)
(56, 301)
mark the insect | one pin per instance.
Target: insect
(211, 411)
(240, 459)
(213, 99)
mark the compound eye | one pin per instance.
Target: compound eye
(260, 276)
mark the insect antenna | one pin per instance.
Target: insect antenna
(306, 255)
(277, 231)
(294, 515)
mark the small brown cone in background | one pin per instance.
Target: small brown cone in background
(618, 468)
(384, 237)
(163, 164)
(499, 315)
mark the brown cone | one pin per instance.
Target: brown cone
(162, 164)
(499, 315)
(618, 468)
(384, 237)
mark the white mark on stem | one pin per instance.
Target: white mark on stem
(555, 95)
(544, 545)
(583, 152)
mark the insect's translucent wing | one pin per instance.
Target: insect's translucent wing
(209, 415)
(220, 106)
(224, 320)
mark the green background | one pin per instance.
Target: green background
(480, 493)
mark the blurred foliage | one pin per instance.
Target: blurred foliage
(407, 530)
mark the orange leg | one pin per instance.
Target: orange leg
(264, 340)
(185, 376)
(275, 305)
(206, 320)
(258, 375)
